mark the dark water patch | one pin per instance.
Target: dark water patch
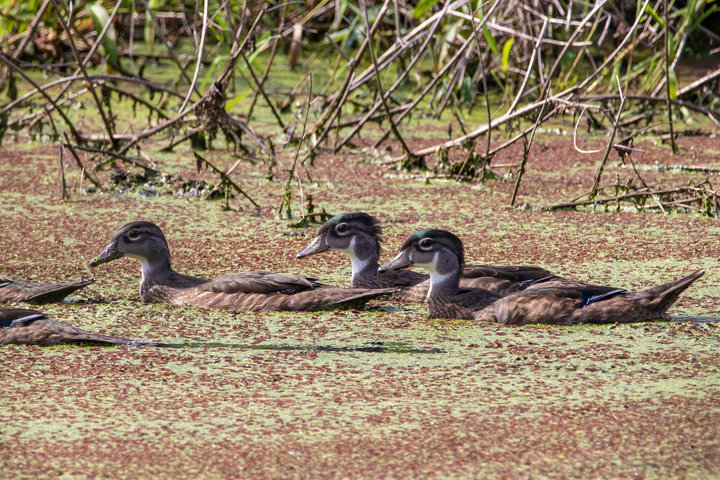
(386, 308)
(695, 319)
(372, 347)
(86, 301)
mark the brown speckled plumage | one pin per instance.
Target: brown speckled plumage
(407, 285)
(462, 304)
(251, 290)
(359, 235)
(557, 301)
(29, 327)
(12, 291)
(501, 280)
(564, 306)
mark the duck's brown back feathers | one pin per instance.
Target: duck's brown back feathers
(500, 280)
(30, 327)
(503, 280)
(463, 304)
(410, 286)
(37, 293)
(258, 282)
(266, 291)
(570, 306)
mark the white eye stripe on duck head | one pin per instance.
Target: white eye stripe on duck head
(425, 244)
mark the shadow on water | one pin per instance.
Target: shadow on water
(695, 319)
(374, 347)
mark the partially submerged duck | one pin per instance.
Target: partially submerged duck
(12, 290)
(359, 236)
(442, 254)
(251, 290)
(23, 326)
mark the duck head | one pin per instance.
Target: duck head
(438, 251)
(143, 241)
(356, 234)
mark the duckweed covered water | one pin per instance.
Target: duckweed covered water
(371, 394)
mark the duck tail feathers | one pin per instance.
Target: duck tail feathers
(663, 296)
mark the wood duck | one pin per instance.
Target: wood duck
(442, 254)
(12, 291)
(251, 290)
(22, 326)
(359, 236)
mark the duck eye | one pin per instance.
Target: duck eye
(342, 228)
(133, 235)
(425, 244)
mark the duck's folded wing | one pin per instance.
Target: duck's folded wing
(548, 306)
(516, 273)
(475, 297)
(30, 327)
(258, 282)
(403, 278)
(563, 306)
(503, 280)
(566, 284)
(37, 293)
(12, 316)
(265, 291)
(584, 293)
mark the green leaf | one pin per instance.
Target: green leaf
(100, 18)
(654, 14)
(615, 73)
(340, 35)
(499, 81)
(672, 82)
(488, 36)
(234, 101)
(647, 67)
(422, 7)
(490, 40)
(264, 41)
(467, 90)
(211, 69)
(149, 25)
(506, 53)
(260, 46)
(703, 16)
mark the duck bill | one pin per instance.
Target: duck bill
(402, 260)
(108, 255)
(318, 245)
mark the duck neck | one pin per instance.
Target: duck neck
(364, 258)
(444, 277)
(155, 271)
(444, 283)
(363, 268)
